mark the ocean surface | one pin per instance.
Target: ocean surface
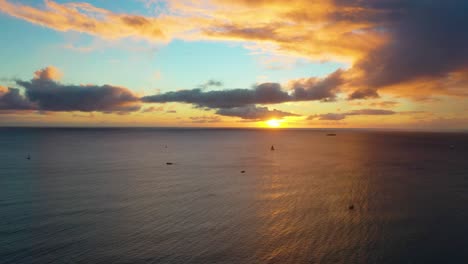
(107, 196)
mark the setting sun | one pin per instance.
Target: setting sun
(273, 123)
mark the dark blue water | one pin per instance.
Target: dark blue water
(107, 196)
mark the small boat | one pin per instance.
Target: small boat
(243, 171)
(331, 134)
(169, 163)
(28, 157)
(272, 147)
(351, 207)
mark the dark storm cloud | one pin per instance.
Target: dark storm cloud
(311, 89)
(341, 116)
(11, 99)
(428, 40)
(50, 95)
(253, 112)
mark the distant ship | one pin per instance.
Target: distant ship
(331, 134)
(272, 147)
(28, 157)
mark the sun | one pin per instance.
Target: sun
(273, 123)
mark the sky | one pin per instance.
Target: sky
(389, 64)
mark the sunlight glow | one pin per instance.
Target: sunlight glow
(273, 123)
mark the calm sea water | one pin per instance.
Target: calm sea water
(107, 196)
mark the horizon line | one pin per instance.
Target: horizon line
(362, 129)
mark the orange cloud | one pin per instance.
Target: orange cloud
(83, 17)
(48, 73)
(302, 28)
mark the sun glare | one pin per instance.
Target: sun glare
(273, 123)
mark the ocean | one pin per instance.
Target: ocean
(107, 195)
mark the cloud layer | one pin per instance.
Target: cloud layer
(45, 93)
(253, 112)
(410, 48)
(427, 44)
(11, 99)
(341, 116)
(311, 89)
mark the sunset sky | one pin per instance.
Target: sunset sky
(235, 63)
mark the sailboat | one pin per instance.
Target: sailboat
(28, 157)
(272, 147)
